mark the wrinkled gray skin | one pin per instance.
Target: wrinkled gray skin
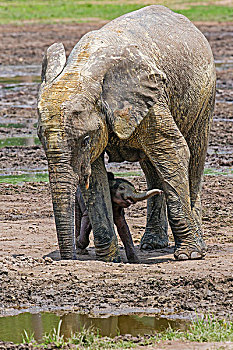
(123, 194)
(142, 88)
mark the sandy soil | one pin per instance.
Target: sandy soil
(31, 274)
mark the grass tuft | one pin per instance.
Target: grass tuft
(28, 338)
(210, 329)
(203, 329)
(55, 337)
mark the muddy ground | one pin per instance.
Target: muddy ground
(31, 274)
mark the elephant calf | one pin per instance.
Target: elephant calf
(123, 194)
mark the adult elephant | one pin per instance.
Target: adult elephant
(142, 88)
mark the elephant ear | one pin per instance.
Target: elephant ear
(53, 62)
(131, 86)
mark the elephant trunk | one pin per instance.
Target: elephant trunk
(63, 183)
(136, 197)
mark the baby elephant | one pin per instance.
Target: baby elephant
(123, 194)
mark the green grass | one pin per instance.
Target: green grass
(27, 338)
(32, 177)
(50, 11)
(86, 339)
(18, 80)
(202, 329)
(19, 141)
(54, 337)
(208, 13)
(128, 173)
(57, 10)
(12, 125)
(210, 171)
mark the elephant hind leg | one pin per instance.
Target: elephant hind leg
(155, 236)
(168, 151)
(197, 140)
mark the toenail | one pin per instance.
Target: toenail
(182, 256)
(195, 255)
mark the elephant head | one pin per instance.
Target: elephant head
(124, 194)
(98, 89)
(67, 128)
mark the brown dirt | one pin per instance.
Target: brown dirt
(31, 274)
(31, 278)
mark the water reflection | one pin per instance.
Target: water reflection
(71, 323)
(114, 325)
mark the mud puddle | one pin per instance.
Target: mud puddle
(108, 325)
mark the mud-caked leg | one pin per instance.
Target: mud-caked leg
(169, 153)
(82, 224)
(197, 140)
(98, 203)
(155, 236)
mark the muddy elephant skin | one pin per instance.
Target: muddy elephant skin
(141, 88)
(123, 194)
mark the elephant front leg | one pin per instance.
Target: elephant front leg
(168, 152)
(82, 224)
(98, 203)
(124, 233)
(155, 236)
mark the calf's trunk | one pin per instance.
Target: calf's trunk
(137, 196)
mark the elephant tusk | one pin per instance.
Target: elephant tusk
(87, 183)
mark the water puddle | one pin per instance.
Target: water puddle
(41, 323)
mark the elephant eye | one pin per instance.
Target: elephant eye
(122, 187)
(86, 141)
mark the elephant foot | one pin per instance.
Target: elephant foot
(114, 259)
(81, 251)
(154, 239)
(190, 253)
(153, 244)
(133, 258)
(108, 253)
